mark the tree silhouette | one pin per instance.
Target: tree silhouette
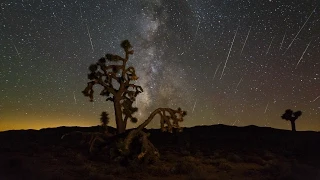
(104, 119)
(118, 87)
(291, 116)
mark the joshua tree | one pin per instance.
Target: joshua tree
(118, 87)
(291, 116)
(104, 119)
(117, 82)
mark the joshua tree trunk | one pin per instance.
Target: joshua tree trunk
(121, 127)
(293, 125)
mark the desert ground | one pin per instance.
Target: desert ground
(215, 152)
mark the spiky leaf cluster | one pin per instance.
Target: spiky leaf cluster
(289, 115)
(109, 75)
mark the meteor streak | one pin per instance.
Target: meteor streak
(225, 64)
(197, 29)
(235, 91)
(303, 54)
(90, 38)
(216, 70)
(81, 13)
(74, 97)
(245, 41)
(237, 120)
(265, 110)
(283, 40)
(315, 99)
(270, 45)
(194, 106)
(16, 49)
(300, 30)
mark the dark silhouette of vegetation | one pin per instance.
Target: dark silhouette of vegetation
(118, 87)
(291, 116)
(104, 120)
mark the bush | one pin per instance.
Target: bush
(159, 170)
(255, 159)
(187, 165)
(234, 158)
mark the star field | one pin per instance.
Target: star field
(225, 62)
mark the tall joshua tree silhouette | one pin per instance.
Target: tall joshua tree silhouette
(291, 116)
(117, 83)
(118, 87)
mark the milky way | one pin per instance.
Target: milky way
(181, 47)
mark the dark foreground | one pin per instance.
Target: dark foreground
(208, 152)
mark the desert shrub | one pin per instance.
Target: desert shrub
(15, 162)
(200, 174)
(254, 159)
(183, 167)
(224, 166)
(17, 166)
(58, 174)
(198, 153)
(187, 165)
(209, 160)
(99, 176)
(76, 159)
(118, 170)
(277, 169)
(169, 157)
(32, 148)
(160, 170)
(250, 172)
(191, 159)
(184, 152)
(267, 155)
(303, 171)
(59, 151)
(221, 163)
(109, 177)
(234, 158)
(57, 177)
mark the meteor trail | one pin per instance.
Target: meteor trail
(266, 108)
(197, 29)
(270, 45)
(237, 120)
(245, 41)
(235, 91)
(81, 13)
(303, 54)
(74, 97)
(16, 49)
(216, 70)
(315, 99)
(283, 40)
(194, 106)
(90, 38)
(225, 64)
(300, 30)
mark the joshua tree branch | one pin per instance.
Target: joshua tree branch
(162, 113)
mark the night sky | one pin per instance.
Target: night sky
(224, 61)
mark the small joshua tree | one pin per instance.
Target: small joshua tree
(104, 120)
(117, 81)
(291, 116)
